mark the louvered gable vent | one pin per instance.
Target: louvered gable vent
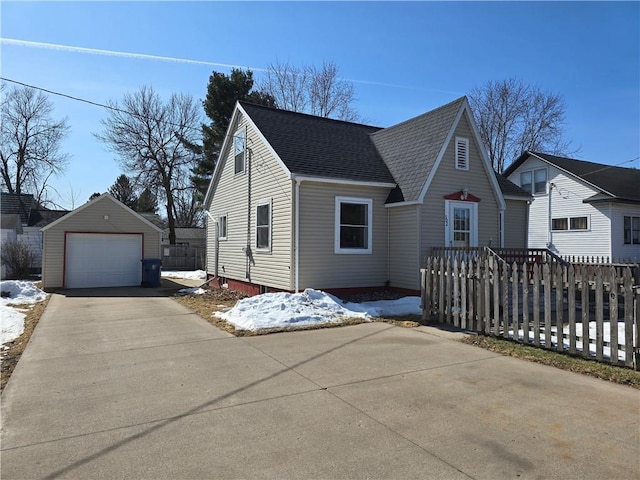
(462, 153)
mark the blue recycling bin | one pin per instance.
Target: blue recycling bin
(151, 272)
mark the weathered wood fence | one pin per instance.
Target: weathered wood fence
(182, 257)
(592, 311)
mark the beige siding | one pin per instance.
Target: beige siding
(269, 182)
(404, 261)
(448, 180)
(92, 220)
(320, 266)
(515, 224)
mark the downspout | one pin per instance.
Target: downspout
(388, 248)
(296, 260)
(247, 250)
(550, 224)
(502, 210)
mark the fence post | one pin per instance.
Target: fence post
(613, 316)
(441, 305)
(536, 305)
(599, 316)
(559, 307)
(586, 294)
(463, 295)
(515, 304)
(548, 285)
(525, 304)
(571, 300)
(628, 318)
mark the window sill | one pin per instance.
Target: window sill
(353, 251)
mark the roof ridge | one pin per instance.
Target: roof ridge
(309, 115)
(422, 115)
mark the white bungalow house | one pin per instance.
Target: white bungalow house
(299, 201)
(580, 208)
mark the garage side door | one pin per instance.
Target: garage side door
(103, 260)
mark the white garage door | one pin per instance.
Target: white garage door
(103, 260)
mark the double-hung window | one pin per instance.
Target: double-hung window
(631, 230)
(239, 144)
(353, 225)
(263, 226)
(534, 181)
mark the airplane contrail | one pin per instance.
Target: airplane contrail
(161, 58)
(115, 53)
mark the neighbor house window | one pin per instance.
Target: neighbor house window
(534, 181)
(239, 142)
(353, 225)
(462, 153)
(570, 223)
(263, 226)
(222, 227)
(632, 230)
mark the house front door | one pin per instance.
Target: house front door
(462, 224)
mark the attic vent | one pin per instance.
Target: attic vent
(462, 153)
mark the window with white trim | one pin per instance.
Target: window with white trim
(534, 181)
(462, 153)
(570, 223)
(353, 225)
(239, 143)
(263, 226)
(631, 230)
(222, 227)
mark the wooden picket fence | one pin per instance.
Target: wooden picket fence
(588, 311)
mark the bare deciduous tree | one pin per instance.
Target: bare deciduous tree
(30, 142)
(148, 136)
(309, 89)
(513, 117)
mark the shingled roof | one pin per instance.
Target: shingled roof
(14, 204)
(410, 149)
(321, 147)
(510, 189)
(615, 183)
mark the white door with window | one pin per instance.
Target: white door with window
(461, 224)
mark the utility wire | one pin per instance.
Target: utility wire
(608, 167)
(90, 102)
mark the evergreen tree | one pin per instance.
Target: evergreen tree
(147, 202)
(123, 191)
(223, 91)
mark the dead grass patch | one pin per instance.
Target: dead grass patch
(611, 373)
(10, 356)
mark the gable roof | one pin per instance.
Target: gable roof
(43, 217)
(614, 183)
(101, 198)
(510, 189)
(410, 149)
(14, 204)
(320, 147)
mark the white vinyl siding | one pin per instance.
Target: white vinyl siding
(104, 216)
(230, 196)
(320, 267)
(448, 180)
(620, 249)
(566, 197)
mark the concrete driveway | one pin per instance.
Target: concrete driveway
(129, 384)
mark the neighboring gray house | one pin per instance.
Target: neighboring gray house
(299, 201)
(580, 208)
(22, 219)
(100, 244)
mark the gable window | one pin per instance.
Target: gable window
(462, 153)
(631, 230)
(263, 226)
(534, 181)
(239, 142)
(353, 225)
(570, 223)
(222, 227)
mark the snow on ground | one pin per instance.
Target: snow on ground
(195, 275)
(11, 318)
(191, 291)
(311, 307)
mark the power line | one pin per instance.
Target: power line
(90, 102)
(608, 167)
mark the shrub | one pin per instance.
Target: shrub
(17, 257)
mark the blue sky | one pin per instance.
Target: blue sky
(404, 59)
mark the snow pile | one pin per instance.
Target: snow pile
(195, 275)
(311, 307)
(12, 319)
(191, 291)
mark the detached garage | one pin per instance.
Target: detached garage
(100, 244)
